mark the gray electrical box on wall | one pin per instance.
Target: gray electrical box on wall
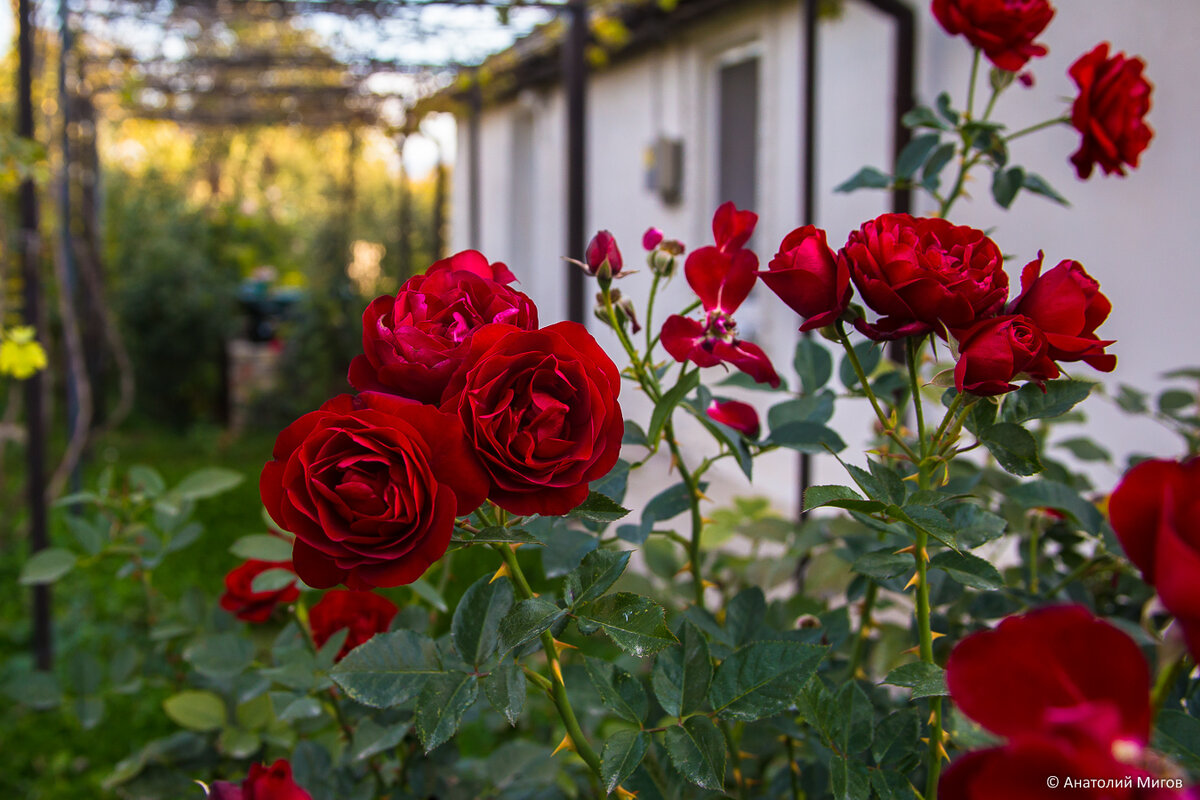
(664, 169)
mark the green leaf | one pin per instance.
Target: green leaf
(527, 620)
(1178, 734)
(839, 497)
(475, 628)
(634, 623)
(1014, 448)
(968, 570)
(1030, 402)
(662, 412)
(46, 566)
(505, 689)
(634, 435)
(807, 437)
(206, 482)
(619, 691)
(865, 178)
(922, 117)
(441, 705)
(595, 575)
(813, 408)
(931, 175)
(682, 674)
(697, 750)
(196, 710)
(850, 779)
(1051, 494)
(762, 678)
(814, 364)
(90, 535)
(945, 108)
(219, 655)
(914, 154)
(1038, 185)
(744, 615)
(928, 519)
(895, 735)
(869, 355)
(262, 547)
(272, 580)
(1005, 185)
(623, 752)
(883, 564)
(146, 479)
(498, 535)
(1174, 400)
(925, 680)
(429, 593)
(255, 713)
(856, 718)
(1131, 400)
(1085, 449)
(371, 739)
(237, 743)
(389, 669)
(598, 508)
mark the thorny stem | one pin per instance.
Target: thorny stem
(647, 382)
(1035, 128)
(974, 79)
(862, 380)
(691, 482)
(650, 314)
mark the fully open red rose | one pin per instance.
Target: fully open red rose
(540, 408)
(370, 486)
(1155, 511)
(997, 351)
(249, 605)
(363, 613)
(1110, 111)
(263, 783)
(1067, 305)
(924, 274)
(809, 278)
(1003, 29)
(413, 342)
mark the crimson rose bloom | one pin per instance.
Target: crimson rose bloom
(809, 278)
(1070, 692)
(924, 274)
(1003, 29)
(540, 408)
(997, 351)
(1155, 511)
(249, 605)
(413, 342)
(1110, 111)
(1066, 304)
(364, 613)
(370, 486)
(263, 783)
(738, 415)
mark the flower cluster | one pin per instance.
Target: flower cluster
(462, 398)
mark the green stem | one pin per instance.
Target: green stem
(690, 308)
(695, 556)
(914, 354)
(649, 386)
(974, 79)
(955, 405)
(987, 112)
(791, 756)
(650, 314)
(1035, 128)
(1034, 551)
(558, 688)
(864, 628)
(862, 380)
(1167, 677)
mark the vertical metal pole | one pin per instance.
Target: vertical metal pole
(64, 215)
(905, 67)
(808, 180)
(474, 234)
(28, 248)
(575, 86)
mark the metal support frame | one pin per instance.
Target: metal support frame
(575, 85)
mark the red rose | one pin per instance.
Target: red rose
(997, 351)
(924, 274)
(364, 613)
(413, 342)
(249, 605)
(1110, 111)
(1066, 304)
(737, 415)
(603, 257)
(540, 409)
(1155, 511)
(370, 486)
(263, 783)
(1003, 29)
(809, 278)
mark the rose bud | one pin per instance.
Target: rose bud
(737, 415)
(1067, 305)
(1003, 29)
(1110, 111)
(651, 238)
(248, 605)
(923, 275)
(807, 276)
(363, 613)
(263, 783)
(997, 351)
(603, 257)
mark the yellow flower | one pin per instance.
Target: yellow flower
(20, 353)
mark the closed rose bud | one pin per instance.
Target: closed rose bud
(997, 351)
(807, 276)
(737, 415)
(651, 238)
(602, 256)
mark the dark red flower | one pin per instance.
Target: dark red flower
(651, 238)
(249, 605)
(540, 408)
(263, 783)
(370, 486)
(732, 228)
(413, 342)
(924, 274)
(1067, 305)
(1155, 511)
(364, 613)
(807, 276)
(997, 351)
(603, 257)
(1110, 111)
(1003, 29)
(715, 342)
(736, 414)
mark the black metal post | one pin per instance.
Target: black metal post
(35, 386)
(575, 85)
(474, 233)
(808, 180)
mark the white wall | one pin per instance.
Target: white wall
(1132, 234)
